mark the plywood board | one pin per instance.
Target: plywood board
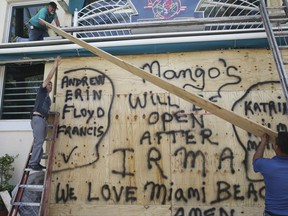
(217, 110)
(149, 152)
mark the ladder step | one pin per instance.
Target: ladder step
(283, 47)
(25, 204)
(28, 169)
(48, 139)
(33, 187)
(44, 155)
(50, 126)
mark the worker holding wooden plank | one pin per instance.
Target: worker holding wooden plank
(37, 28)
(274, 171)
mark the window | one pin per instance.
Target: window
(21, 83)
(20, 16)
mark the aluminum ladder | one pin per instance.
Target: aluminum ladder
(18, 200)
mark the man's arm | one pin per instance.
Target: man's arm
(261, 148)
(42, 15)
(42, 23)
(52, 72)
(57, 22)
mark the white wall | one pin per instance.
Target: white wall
(15, 142)
(64, 18)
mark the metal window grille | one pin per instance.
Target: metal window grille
(21, 84)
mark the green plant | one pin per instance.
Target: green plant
(6, 167)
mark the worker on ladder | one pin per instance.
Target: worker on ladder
(39, 118)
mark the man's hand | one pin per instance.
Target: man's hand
(265, 139)
(260, 150)
(57, 62)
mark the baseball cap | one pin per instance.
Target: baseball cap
(53, 5)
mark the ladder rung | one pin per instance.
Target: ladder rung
(26, 204)
(33, 187)
(283, 47)
(44, 155)
(28, 169)
(50, 126)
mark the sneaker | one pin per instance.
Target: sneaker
(15, 39)
(42, 167)
(35, 167)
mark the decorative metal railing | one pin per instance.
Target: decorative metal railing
(111, 12)
(230, 8)
(104, 13)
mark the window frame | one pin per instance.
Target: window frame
(16, 3)
(16, 124)
(19, 97)
(7, 124)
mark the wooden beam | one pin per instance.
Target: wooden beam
(233, 118)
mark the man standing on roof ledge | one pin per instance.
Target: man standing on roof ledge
(36, 28)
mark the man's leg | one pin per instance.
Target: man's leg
(39, 126)
(35, 34)
(20, 39)
(44, 34)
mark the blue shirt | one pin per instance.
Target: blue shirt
(275, 173)
(43, 14)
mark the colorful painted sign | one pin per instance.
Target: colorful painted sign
(165, 9)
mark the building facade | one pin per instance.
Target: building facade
(124, 145)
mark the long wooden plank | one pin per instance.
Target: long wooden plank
(233, 118)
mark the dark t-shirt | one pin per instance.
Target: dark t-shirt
(42, 102)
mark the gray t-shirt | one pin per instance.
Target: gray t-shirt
(42, 102)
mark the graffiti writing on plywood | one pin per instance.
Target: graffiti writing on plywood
(196, 151)
(87, 102)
